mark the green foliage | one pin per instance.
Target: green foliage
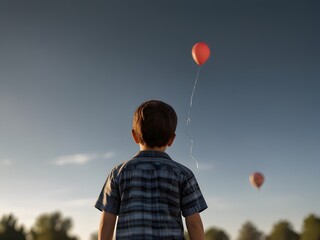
(249, 232)
(215, 234)
(283, 230)
(311, 228)
(52, 227)
(9, 229)
(94, 236)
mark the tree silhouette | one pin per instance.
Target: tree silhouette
(283, 230)
(215, 234)
(249, 231)
(311, 228)
(52, 227)
(94, 236)
(9, 229)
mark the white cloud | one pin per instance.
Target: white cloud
(108, 155)
(203, 166)
(80, 158)
(81, 202)
(75, 159)
(219, 204)
(5, 162)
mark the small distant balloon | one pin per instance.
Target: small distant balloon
(200, 53)
(256, 179)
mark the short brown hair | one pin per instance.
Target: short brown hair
(154, 123)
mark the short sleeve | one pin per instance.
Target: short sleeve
(109, 198)
(192, 200)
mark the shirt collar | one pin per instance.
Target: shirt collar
(152, 153)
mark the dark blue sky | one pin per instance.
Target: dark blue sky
(72, 73)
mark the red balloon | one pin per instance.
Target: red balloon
(200, 53)
(256, 179)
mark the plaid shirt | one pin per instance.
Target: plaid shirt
(149, 193)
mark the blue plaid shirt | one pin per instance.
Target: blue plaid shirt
(149, 193)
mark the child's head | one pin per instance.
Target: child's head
(154, 123)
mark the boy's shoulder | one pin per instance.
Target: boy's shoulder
(153, 160)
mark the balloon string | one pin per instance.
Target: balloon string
(189, 119)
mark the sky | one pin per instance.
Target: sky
(72, 73)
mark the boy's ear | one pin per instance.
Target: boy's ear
(135, 137)
(171, 140)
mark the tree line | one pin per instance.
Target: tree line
(54, 226)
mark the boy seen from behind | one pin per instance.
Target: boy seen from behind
(146, 196)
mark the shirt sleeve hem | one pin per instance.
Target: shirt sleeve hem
(98, 206)
(191, 211)
(101, 207)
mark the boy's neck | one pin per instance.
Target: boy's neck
(145, 148)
